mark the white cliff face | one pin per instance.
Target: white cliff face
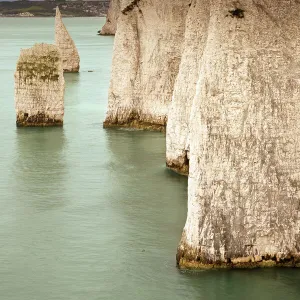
(39, 87)
(110, 26)
(244, 139)
(63, 40)
(234, 119)
(146, 59)
(185, 87)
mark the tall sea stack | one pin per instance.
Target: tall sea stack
(39, 87)
(244, 138)
(66, 45)
(110, 26)
(146, 59)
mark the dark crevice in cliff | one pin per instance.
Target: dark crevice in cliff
(237, 13)
(130, 7)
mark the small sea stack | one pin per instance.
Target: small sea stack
(39, 87)
(63, 40)
(145, 63)
(110, 26)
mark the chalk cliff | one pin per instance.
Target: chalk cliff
(63, 40)
(110, 26)
(244, 137)
(196, 31)
(39, 87)
(146, 59)
(232, 69)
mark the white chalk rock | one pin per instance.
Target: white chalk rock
(63, 40)
(110, 26)
(244, 138)
(39, 87)
(147, 54)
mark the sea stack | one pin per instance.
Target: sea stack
(244, 138)
(39, 87)
(66, 45)
(110, 26)
(147, 54)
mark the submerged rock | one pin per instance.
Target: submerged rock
(244, 138)
(110, 26)
(66, 45)
(146, 59)
(39, 87)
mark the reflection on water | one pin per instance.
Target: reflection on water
(88, 213)
(40, 169)
(72, 91)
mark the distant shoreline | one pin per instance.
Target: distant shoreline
(45, 17)
(44, 9)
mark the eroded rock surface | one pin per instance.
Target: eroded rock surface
(244, 139)
(39, 87)
(232, 68)
(69, 53)
(110, 26)
(146, 59)
(196, 31)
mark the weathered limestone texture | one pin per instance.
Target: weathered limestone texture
(110, 26)
(63, 40)
(39, 87)
(244, 139)
(147, 54)
(185, 88)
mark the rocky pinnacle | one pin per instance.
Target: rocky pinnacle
(110, 26)
(66, 45)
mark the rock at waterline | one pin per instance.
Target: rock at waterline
(145, 64)
(63, 40)
(110, 26)
(237, 118)
(39, 87)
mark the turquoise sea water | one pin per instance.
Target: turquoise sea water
(88, 213)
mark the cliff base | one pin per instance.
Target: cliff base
(240, 263)
(178, 167)
(135, 124)
(37, 120)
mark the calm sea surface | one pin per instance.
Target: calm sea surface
(88, 213)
